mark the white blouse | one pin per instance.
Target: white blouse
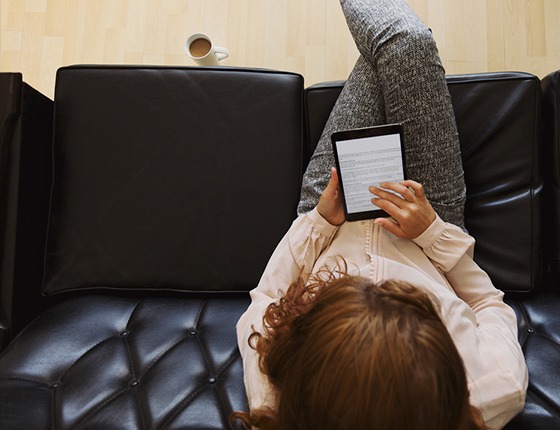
(482, 326)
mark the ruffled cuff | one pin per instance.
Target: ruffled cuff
(320, 224)
(444, 244)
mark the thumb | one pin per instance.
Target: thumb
(332, 187)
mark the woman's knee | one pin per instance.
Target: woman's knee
(386, 27)
(408, 43)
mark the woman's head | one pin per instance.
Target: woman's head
(347, 353)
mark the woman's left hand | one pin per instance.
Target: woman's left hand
(411, 211)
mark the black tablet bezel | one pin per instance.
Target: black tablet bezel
(361, 133)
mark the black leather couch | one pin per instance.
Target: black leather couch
(168, 191)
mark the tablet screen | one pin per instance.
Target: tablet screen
(367, 157)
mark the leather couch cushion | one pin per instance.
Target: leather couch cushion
(126, 363)
(171, 178)
(498, 117)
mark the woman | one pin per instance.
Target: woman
(447, 342)
(423, 264)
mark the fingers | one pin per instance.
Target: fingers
(387, 201)
(410, 209)
(407, 191)
(390, 225)
(416, 187)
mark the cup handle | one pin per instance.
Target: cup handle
(221, 52)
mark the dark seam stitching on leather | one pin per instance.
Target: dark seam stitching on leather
(219, 393)
(81, 357)
(136, 306)
(95, 346)
(545, 401)
(199, 315)
(525, 314)
(129, 353)
(228, 362)
(164, 353)
(181, 407)
(52, 410)
(141, 409)
(101, 405)
(204, 352)
(133, 368)
(110, 399)
(544, 336)
(18, 378)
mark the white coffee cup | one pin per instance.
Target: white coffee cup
(201, 49)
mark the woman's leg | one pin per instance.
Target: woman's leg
(405, 83)
(360, 104)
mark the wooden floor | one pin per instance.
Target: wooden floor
(305, 36)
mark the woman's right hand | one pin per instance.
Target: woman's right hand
(330, 203)
(411, 212)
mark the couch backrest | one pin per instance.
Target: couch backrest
(498, 117)
(171, 178)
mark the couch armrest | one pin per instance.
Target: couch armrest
(551, 143)
(25, 164)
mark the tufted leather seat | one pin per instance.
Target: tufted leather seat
(539, 333)
(127, 363)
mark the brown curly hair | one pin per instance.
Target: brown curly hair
(343, 352)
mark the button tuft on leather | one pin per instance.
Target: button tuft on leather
(193, 332)
(211, 380)
(125, 333)
(55, 385)
(134, 383)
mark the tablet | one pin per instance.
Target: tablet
(365, 157)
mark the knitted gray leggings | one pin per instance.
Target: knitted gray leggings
(398, 78)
